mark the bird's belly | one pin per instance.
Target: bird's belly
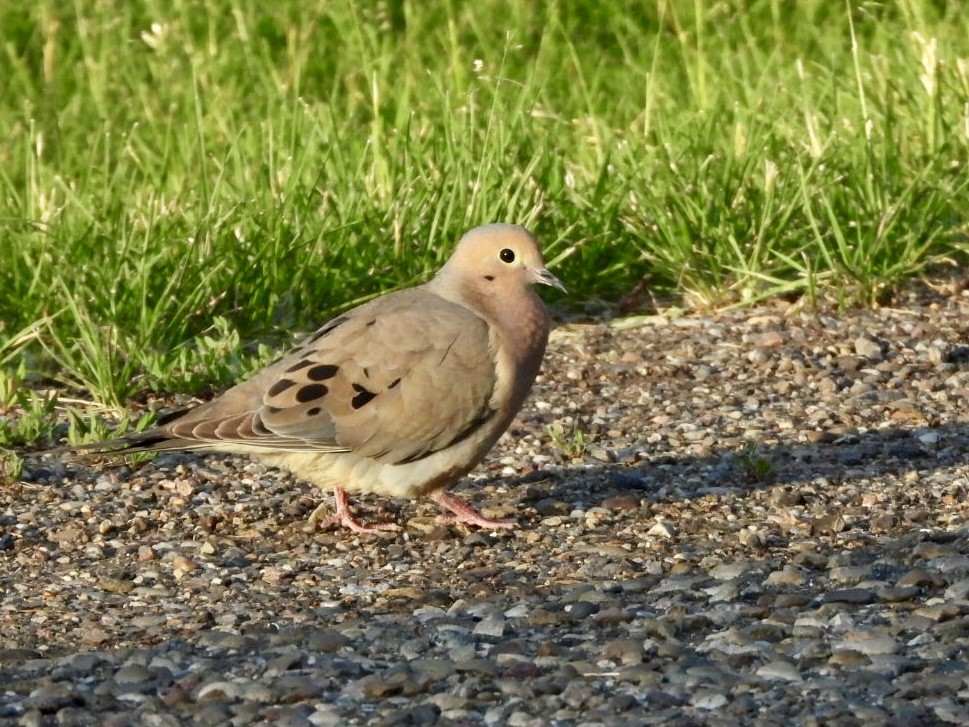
(363, 474)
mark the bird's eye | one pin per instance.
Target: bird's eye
(506, 255)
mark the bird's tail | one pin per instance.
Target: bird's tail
(157, 439)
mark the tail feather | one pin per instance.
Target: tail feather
(156, 439)
(242, 433)
(150, 441)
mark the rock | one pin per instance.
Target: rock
(662, 529)
(490, 628)
(919, 578)
(710, 701)
(51, 698)
(958, 591)
(850, 574)
(868, 348)
(222, 691)
(786, 576)
(857, 596)
(622, 502)
(869, 646)
(779, 671)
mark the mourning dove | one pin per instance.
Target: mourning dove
(400, 396)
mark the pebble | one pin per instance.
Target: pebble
(919, 578)
(709, 701)
(849, 574)
(132, 674)
(491, 627)
(51, 698)
(869, 646)
(662, 529)
(221, 691)
(779, 671)
(857, 596)
(786, 576)
(958, 591)
(868, 348)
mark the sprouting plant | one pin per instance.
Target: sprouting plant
(26, 416)
(11, 465)
(87, 429)
(754, 465)
(573, 443)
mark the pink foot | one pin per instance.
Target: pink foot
(343, 517)
(464, 513)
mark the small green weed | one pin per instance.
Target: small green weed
(572, 443)
(754, 466)
(26, 416)
(11, 465)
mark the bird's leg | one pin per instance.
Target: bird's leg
(464, 513)
(343, 516)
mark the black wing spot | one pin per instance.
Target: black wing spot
(362, 398)
(310, 392)
(313, 411)
(301, 365)
(489, 278)
(327, 328)
(322, 372)
(280, 386)
(394, 383)
(370, 323)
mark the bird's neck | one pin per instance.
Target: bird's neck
(522, 320)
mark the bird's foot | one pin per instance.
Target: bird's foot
(342, 517)
(464, 513)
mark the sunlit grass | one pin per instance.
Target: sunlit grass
(182, 181)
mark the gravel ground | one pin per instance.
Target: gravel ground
(751, 518)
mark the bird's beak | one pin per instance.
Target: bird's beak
(543, 276)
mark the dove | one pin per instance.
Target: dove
(401, 396)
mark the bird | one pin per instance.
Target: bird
(400, 396)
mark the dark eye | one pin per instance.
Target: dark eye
(507, 256)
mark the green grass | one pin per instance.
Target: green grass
(181, 180)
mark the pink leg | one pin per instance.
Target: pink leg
(464, 513)
(344, 517)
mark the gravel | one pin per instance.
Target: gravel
(748, 518)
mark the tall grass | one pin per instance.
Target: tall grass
(228, 170)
